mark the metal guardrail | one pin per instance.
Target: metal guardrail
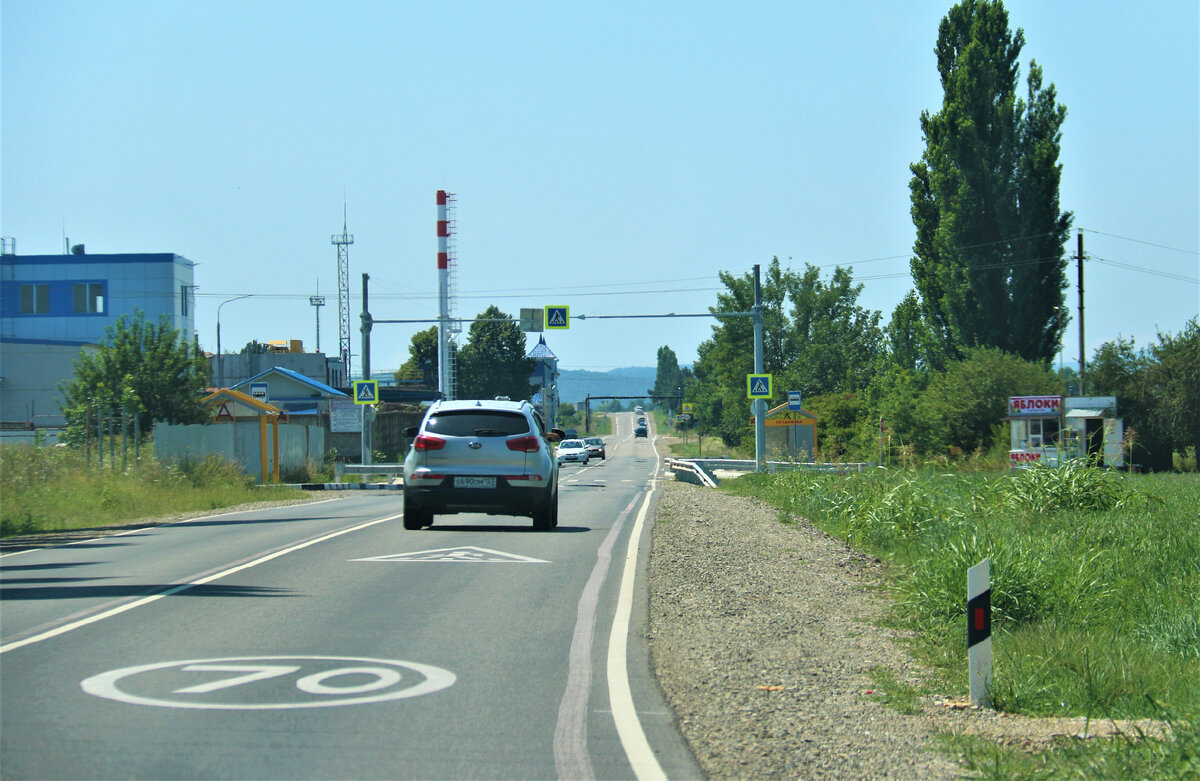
(690, 471)
(702, 471)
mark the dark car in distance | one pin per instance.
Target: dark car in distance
(595, 446)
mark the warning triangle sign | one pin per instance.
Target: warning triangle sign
(465, 555)
(223, 412)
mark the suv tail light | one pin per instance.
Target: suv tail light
(426, 442)
(525, 444)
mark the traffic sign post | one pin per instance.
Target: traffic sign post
(758, 386)
(558, 318)
(366, 391)
(794, 401)
(532, 319)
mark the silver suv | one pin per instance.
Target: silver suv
(481, 456)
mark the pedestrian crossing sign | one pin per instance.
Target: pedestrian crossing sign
(758, 386)
(558, 317)
(366, 391)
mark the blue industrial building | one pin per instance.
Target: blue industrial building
(53, 306)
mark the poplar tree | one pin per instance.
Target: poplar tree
(668, 379)
(988, 260)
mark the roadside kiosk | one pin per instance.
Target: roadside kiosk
(1052, 430)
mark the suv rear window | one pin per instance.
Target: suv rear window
(481, 423)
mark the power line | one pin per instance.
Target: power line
(1144, 270)
(1139, 241)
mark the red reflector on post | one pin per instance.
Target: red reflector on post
(980, 619)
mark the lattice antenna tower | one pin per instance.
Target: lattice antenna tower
(342, 242)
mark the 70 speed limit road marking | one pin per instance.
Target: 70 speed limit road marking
(268, 682)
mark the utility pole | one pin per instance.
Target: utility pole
(1079, 266)
(368, 410)
(760, 405)
(317, 302)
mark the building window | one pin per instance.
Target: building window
(183, 300)
(35, 299)
(87, 297)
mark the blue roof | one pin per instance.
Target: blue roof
(541, 350)
(318, 386)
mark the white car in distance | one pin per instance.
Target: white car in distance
(573, 450)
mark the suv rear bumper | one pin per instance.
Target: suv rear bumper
(505, 499)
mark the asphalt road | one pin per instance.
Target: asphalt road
(325, 641)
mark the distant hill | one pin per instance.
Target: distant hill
(575, 385)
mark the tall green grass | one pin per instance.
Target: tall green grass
(55, 488)
(1095, 576)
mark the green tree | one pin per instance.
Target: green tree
(1157, 390)
(988, 260)
(1173, 377)
(724, 360)
(964, 405)
(668, 381)
(422, 358)
(493, 362)
(835, 342)
(816, 339)
(909, 342)
(147, 370)
(255, 347)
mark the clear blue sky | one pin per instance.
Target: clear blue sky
(613, 157)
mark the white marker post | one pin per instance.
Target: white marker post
(979, 632)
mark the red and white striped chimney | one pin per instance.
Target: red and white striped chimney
(443, 264)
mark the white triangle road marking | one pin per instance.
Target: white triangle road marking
(465, 555)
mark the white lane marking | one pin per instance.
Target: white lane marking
(62, 630)
(137, 529)
(386, 672)
(629, 727)
(468, 554)
(571, 759)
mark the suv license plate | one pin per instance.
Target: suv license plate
(474, 482)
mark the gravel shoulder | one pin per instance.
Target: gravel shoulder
(764, 636)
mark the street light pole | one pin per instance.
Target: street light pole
(220, 362)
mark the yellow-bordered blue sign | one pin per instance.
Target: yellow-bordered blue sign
(366, 391)
(758, 386)
(558, 317)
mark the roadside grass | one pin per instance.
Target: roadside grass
(1095, 588)
(45, 489)
(601, 424)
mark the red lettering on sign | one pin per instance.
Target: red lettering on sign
(1024, 405)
